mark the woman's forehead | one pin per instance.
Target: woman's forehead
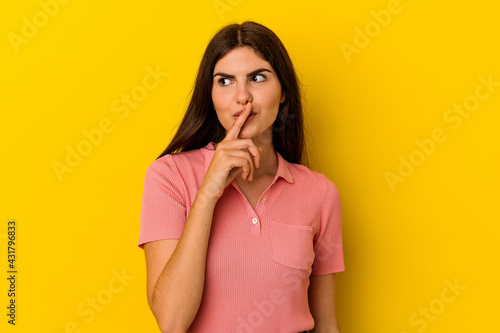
(241, 60)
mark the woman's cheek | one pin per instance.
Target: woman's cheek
(224, 119)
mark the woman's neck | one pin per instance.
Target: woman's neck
(268, 162)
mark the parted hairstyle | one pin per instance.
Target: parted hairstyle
(201, 125)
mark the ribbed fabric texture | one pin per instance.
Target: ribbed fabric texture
(258, 261)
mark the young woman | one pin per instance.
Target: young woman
(238, 235)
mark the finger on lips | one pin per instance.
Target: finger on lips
(233, 134)
(234, 131)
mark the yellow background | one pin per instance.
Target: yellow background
(364, 112)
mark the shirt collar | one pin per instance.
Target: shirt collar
(283, 170)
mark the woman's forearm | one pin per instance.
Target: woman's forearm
(178, 291)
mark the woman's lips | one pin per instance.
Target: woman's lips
(250, 117)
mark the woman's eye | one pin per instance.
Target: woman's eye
(224, 82)
(259, 78)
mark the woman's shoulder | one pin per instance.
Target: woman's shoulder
(312, 178)
(179, 162)
(307, 174)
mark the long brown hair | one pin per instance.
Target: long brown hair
(200, 124)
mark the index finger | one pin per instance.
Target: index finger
(234, 131)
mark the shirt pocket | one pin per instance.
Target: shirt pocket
(292, 245)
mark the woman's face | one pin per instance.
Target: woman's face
(242, 76)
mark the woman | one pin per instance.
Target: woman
(238, 235)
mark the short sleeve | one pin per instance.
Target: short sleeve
(329, 256)
(163, 209)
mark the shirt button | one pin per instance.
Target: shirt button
(255, 220)
(264, 200)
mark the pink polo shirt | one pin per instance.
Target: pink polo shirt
(258, 261)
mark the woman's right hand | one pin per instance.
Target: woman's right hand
(233, 156)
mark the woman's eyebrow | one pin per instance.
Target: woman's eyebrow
(229, 76)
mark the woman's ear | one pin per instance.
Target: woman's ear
(282, 97)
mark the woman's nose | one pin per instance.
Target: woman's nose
(243, 95)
